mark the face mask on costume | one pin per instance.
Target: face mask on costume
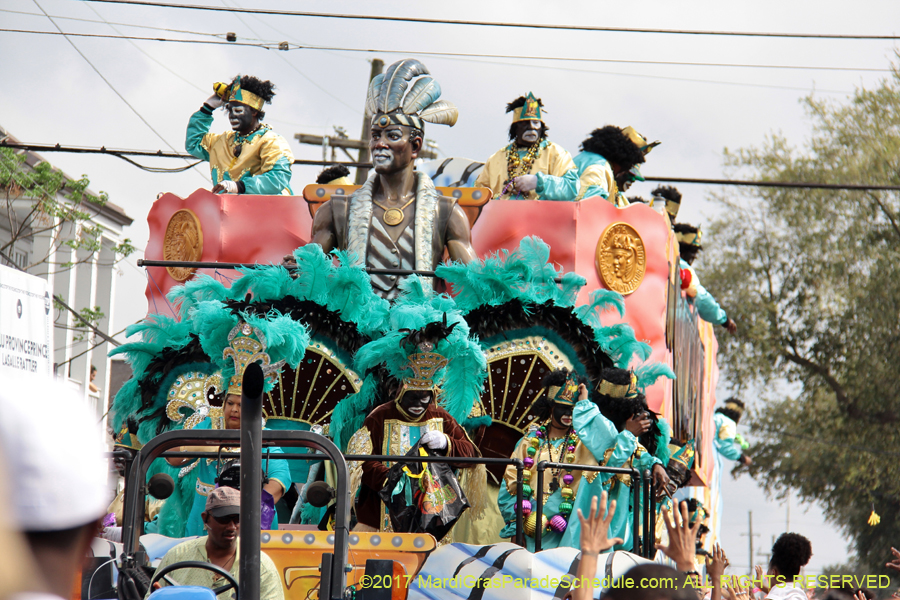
(240, 116)
(528, 132)
(562, 415)
(415, 402)
(391, 148)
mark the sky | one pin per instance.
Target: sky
(140, 94)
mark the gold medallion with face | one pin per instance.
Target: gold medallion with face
(621, 259)
(183, 241)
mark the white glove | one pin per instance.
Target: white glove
(525, 183)
(215, 101)
(230, 187)
(434, 440)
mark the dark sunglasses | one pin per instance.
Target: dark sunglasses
(228, 519)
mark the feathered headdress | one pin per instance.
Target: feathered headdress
(386, 102)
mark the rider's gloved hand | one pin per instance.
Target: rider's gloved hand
(434, 440)
(266, 510)
(214, 101)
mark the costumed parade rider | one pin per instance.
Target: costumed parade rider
(126, 441)
(729, 445)
(396, 219)
(412, 416)
(641, 443)
(530, 167)
(609, 159)
(554, 439)
(246, 344)
(670, 197)
(689, 246)
(251, 159)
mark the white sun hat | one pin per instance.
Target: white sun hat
(57, 475)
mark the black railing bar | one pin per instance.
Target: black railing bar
(589, 468)
(145, 262)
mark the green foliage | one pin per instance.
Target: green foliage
(812, 277)
(40, 199)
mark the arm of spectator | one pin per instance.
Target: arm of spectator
(594, 540)
(682, 538)
(894, 564)
(762, 579)
(715, 568)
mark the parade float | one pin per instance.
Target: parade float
(235, 281)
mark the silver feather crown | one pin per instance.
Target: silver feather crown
(387, 98)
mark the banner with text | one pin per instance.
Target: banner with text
(26, 324)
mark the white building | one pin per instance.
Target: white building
(83, 278)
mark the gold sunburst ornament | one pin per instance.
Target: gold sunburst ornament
(194, 390)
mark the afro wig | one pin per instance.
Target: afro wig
(543, 406)
(790, 552)
(263, 89)
(519, 103)
(613, 145)
(332, 173)
(668, 192)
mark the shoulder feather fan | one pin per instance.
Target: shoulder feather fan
(442, 112)
(424, 92)
(395, 82)
(373, 94)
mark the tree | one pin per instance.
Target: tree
(41, 201)
(813, 278)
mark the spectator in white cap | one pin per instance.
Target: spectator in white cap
(221, 519)
(57, 479)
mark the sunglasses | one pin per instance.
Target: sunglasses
(228, 519)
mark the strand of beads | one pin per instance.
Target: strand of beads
(560, 521)
(516, 166)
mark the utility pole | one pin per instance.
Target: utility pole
(750, 535)
(341, 141)
(361, 172)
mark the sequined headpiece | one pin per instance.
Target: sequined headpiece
(680, 463)
(530, 111)
(246, 345)
(194, 390)
(386, 103)
(424, 364)
(619, 390)
(126, 439)
(233, 92)
(566, 393)
(689, 238)
(639, 140)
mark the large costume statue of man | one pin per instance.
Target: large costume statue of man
(397, 220)
(608, 161)
(251, 159)
(530, 167)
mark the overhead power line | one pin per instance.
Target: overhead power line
(292, 13)
(737, 182)
(295, 46)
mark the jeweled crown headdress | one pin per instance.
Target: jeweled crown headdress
(530, 111)
(194, 391)
(680, 463)
(565, 393)
(424, 364)
(639, 140)
(246, 345)
(386, 102)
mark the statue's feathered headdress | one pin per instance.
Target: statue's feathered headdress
(386, 102)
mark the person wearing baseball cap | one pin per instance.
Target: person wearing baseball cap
(56, 480)
(221, 519)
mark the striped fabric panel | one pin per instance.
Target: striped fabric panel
(380, 256)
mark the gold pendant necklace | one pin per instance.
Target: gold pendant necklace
(394, 216)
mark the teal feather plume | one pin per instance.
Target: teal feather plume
(350, 295)
(662, 441)
(185, 297)
(568, 289)
(647, 374)
(599, 301)
(213, 321)
(314, 268)
(264, 283)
